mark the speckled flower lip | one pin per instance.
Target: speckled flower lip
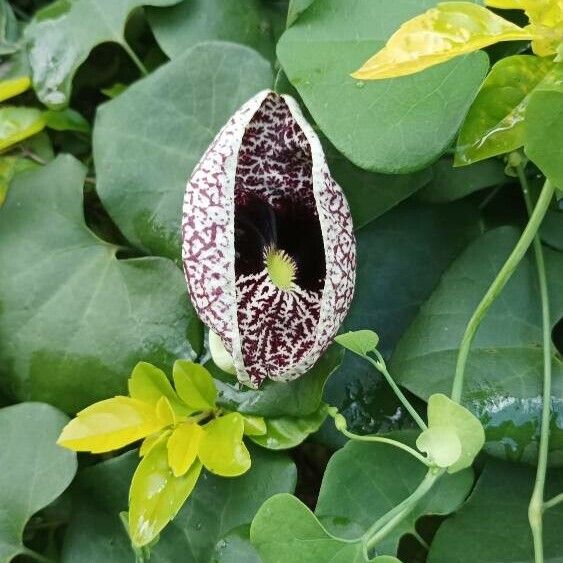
(268, 246)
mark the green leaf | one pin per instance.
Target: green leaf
(295, 9)
(504, 372)
(222, 450)
(360, 342)
(441, 444)
(448, 30)
(495, 122)
(493, 524)
(101, 494)
(194, 385)
(75, 319)
(370, 195)
(543, 135)
(66, 120)
(156, 495)
(179, 28)
(10, 166)
(287, 432)
(35, 471)
(9, 30)
(374, 478)
(149, 384)
(183, 106)
(286, 530)
(445, 414)
(398, 125)
(449, 183)
(401, 257)
(236, 547)
(63, 34)
(298, 398)
(19, 123)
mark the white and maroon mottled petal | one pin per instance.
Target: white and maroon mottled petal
(266, 153)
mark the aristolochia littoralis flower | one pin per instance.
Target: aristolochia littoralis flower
(268, 246)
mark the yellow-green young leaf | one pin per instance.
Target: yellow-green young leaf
(109, 425)
(156, 494)
(150, 441)
(546, 25)
(183, 446)
(254, 425)
(221, 449)
(13, 86)
(441, 33)
(495, 122)
(194, 385)
(19, 123)
(360, 342)
(505, 4)
(445, 413)
(441, 444)
(165, 413)
(148, 384)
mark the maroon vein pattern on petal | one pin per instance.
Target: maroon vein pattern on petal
(207, 227)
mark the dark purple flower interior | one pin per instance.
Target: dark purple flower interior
(275, 207)
(291, 226)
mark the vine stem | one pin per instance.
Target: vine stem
(498, 284)
(380, 366)
(553, 501)
(536, 506)
(389, 521)
(138, 63)
(389, 441)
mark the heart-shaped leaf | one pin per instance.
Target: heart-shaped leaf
(284, 529)
(35, 471)
(398, 125)
(374, 478)
(62, 34)
(504, 372)
(75, 319)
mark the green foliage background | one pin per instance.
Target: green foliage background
(90, 281)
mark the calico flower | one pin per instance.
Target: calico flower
(268, 245)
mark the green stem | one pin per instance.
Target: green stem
(138, 63)
(389, 441)
(498, 284)
(382, 368)
(536, 506)
(553, 501)
(387, 523)
(37, 556)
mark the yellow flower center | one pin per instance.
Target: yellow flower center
(282, 269)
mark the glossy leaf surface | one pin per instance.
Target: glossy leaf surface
(495, 122)
(62, 35)
(507, 348)
(446, 31)
(156, 494)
